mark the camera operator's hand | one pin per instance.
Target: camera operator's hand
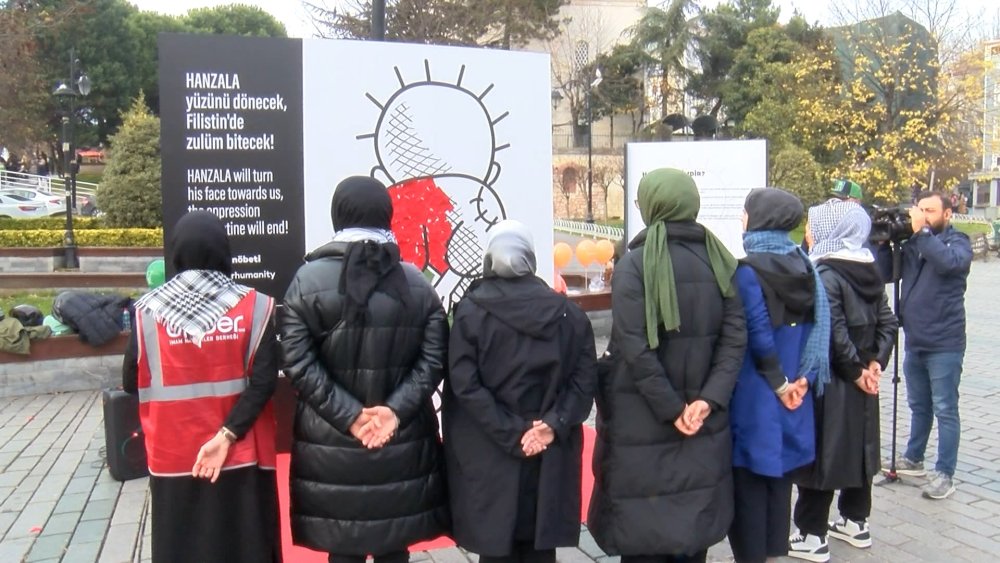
(917, 218)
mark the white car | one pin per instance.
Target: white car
(54, 204)
(18, 207)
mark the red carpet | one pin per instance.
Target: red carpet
(296, 554)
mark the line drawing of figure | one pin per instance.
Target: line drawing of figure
(436, 147)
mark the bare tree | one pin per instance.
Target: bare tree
(576, 46)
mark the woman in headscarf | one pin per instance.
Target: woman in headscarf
(203, 359)
(520, 384)
(364, 340)
(862, 332)
(788, 331)
(663, 486)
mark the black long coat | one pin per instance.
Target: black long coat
(346, 499)
(656, 491)
(862, 328)
(519, 352)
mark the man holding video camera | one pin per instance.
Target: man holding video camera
(935, 266)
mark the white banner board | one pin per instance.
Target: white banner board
(474, 122)
(725, 172)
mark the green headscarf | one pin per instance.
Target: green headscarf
(670, 195)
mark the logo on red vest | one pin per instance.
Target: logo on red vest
(226, 328)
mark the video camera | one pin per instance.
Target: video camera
(890, 224)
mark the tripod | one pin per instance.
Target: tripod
(897, 262)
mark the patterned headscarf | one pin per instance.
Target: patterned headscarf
(840, 229)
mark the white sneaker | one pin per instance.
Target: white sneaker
(808, 547)
(854, 533)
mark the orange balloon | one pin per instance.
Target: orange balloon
(586, 252)
(605, 251)
(562, 254)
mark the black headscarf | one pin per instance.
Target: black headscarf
(786, 280)
(772, 209)
(360, 202)
(200, 243)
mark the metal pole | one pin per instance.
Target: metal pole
(69, 151)
(590, 158)
(378, 20)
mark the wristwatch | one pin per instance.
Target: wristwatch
(925, 230)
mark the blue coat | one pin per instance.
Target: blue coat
(769, 439)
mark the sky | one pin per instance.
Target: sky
(296, 21)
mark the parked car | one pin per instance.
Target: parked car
(18, 207)
(54, 204)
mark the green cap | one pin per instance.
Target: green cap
(846, 189)
(156, 273)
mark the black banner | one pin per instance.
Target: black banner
(231, 143)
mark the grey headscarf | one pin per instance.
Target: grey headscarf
(510, 251)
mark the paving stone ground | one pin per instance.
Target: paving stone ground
(59, 504)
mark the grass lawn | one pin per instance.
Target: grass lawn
(41, 298)
(974, 228)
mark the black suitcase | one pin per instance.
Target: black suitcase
(124, 441)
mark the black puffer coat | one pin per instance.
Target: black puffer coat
(656, 491)
(862, 329)
(345, 499)
(97, 318)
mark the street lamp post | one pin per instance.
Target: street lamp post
(378, 20)
(590, 147)
(75, 86)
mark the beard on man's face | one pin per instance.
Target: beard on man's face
(938, 226)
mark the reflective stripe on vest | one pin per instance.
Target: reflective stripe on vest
(157, 391)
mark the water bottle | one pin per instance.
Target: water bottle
(126, 320)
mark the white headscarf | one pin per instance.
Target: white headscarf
(840, 229)
(510, 251)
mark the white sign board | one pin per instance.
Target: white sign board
(725, 172)
(475, 122)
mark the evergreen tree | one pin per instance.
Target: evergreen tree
(130, 193)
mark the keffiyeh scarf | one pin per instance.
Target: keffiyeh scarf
(192, 302)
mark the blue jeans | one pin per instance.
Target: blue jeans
(932, 391)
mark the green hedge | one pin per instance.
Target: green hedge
(49, 223)
(141, 238)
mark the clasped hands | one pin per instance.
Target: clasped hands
(794, 393)
(692, 418)
(375, 426)
(868, 382)
(537, 438)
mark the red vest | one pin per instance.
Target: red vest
(186, 391)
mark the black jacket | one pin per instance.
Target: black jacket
(96, 318)
(346, 499)
(657, 491)
(862, 329)
(519, 352)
